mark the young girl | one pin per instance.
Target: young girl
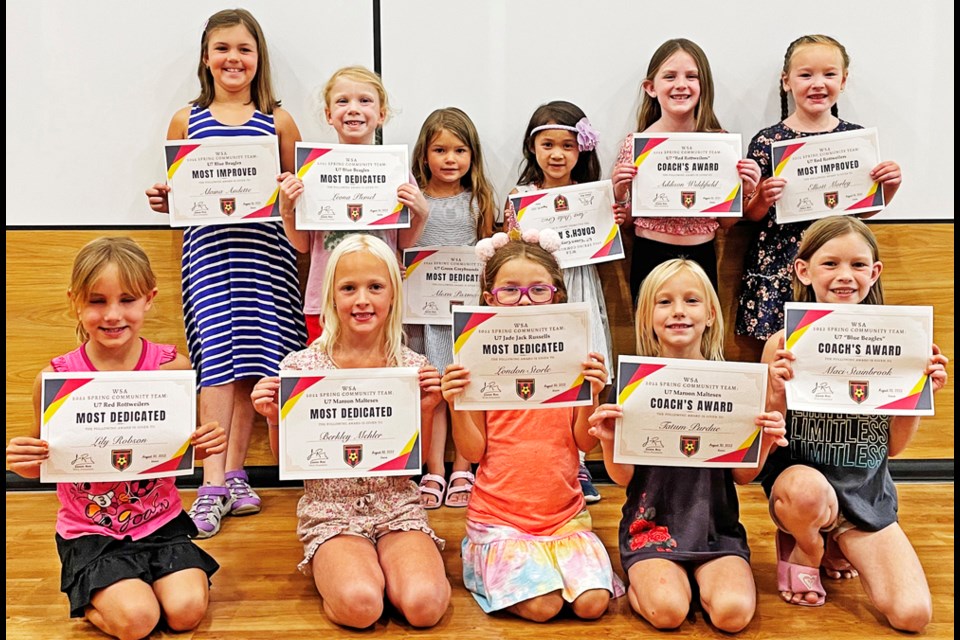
(529, 546)
(241, 295)
(692, 511)
(123, 572)
(843, 517)
(448, 167)
(356, 106)
(362, 536)
(677, 98)
(815, 73)
(559, 149)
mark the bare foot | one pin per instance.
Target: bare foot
(834, 564)
(459, 497)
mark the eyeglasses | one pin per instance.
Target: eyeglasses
(536, 293)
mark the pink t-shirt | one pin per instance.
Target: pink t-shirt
(527, 478)
(134, 508)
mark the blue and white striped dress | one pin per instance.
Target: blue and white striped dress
(241, 295)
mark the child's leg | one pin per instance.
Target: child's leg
(591, 604)
(891, 574)
(183, 596)
(539, 609)
(216, 404)
(435, 453)
(347, 573)
(416, 581)
(127, 609)
(241, 424)
(660, 592)
(727, 592)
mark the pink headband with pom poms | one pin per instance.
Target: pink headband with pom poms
(548, 239)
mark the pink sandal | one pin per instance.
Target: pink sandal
(464, 488)
(795, 578)
(430, 491)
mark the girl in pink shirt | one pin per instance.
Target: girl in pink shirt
(529, 546)
(125, 548)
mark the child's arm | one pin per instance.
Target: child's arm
(903, 428)
(595, 373)
(291, 188)
(265, 396)
(622, 179)
(469, 427)
(289, 136)
(773, 435)
(158, 194)
(749, 172)
(409, 194)
(26, 453)
(780, 362)
(601, 427)
(430, 397)
(767, 193)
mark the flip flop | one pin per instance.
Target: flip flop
(464, 488)
(797, 578)
(430, 491)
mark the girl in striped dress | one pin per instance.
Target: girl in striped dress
(241, 297)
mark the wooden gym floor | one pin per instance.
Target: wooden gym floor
(258, 593)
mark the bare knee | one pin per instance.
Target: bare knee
(355, 605)
(131, 621)
(591, 604)
(539, 609)
(187, 612)
(731, 612)
(911, 615)
(803, 491)
(424, 604)
(665, 610)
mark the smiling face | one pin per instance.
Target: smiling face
(232, 58)
(110, 315)
(815, 78)
(363, 293)
(842, 271)
(519, 272)
(681, 314)
(676, 86)
(448, 158)
(355, 111)
(557, 153)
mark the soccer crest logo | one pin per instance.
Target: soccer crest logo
(831, 199)
(689, 445)
(121, 458)
(859, 391)
(352, 454)
(560, 203)
(228, 205)
(688, 198)
(355, 211)
(525, 388)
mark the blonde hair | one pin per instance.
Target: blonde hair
(517, 249)
(475, 180)
(788, 58)
(133, 267)
(650, 111)
(820, 233)
(648, 344)
(331, 322)
(358, 73)
(261, 89)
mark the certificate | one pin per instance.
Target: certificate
(351, 187)
(689, 413)
(223, 180)
(528, 357)
(687, 175)
(582, 214)
(436, 279)
(108, 426)
(827, 175)
(349, 423)
(864, 359)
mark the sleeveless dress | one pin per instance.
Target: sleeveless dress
(241, 295)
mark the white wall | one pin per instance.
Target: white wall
(91, 86)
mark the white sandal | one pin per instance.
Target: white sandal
(464, 488)
(430, 491)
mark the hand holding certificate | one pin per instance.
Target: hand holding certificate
(860, 359)
(689, 413)
(106, 426)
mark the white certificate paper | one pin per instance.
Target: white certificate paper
(863, 359)
(351, 187)
(827, 175)
(219, 180)
(687, 175)
(689, 413)
(528, 357)
(582, 214)
(436, 279)
(117, 425)
(349, 423)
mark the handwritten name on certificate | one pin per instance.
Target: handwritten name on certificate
(583, 216)
(349, 423)
(689, 413)
(223, 180)
(436, 279)
(117, 425)
(827, 175)
(351, 187)
(860, 359)
(687, 174)
(528, 357)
